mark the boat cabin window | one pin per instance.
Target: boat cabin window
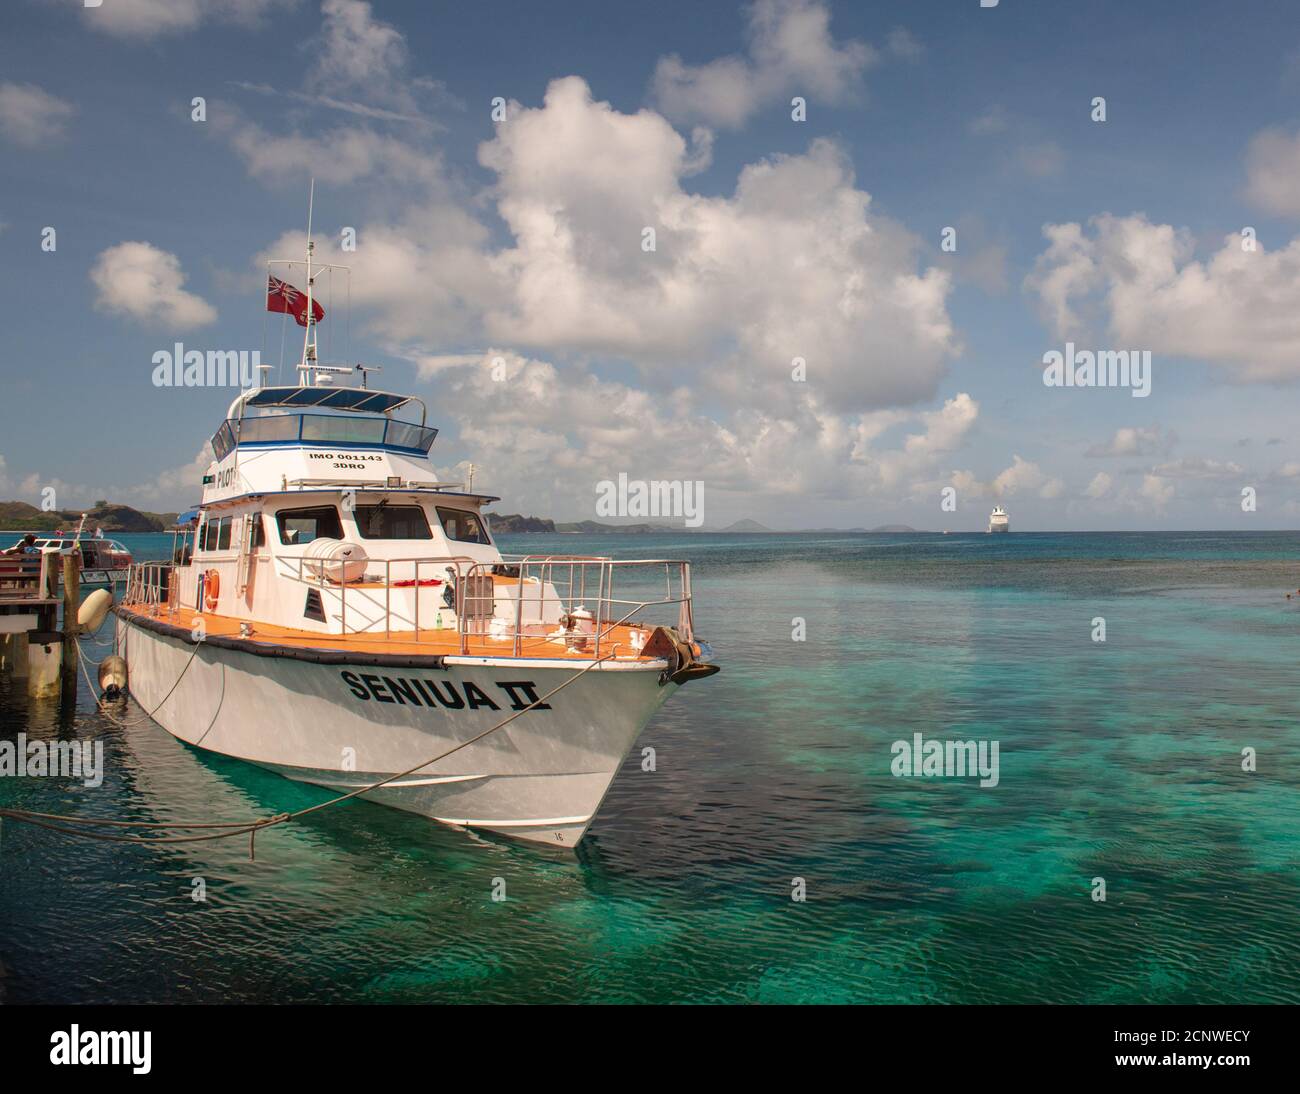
(319, 427)
(463, 526)
(259, 532)
(216, 533)
(299, 526)
(279, 427)
(392, 522)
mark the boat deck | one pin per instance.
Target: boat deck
(446, 642)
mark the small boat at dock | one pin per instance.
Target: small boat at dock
(105, 563)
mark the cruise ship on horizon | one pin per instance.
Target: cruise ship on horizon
(998, 520)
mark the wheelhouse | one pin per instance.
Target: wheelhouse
(340, 527)
(356, 417)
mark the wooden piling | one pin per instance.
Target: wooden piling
(14, 658)
(71, 608)
(50, 563)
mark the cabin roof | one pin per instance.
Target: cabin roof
(337, 398)
(349, 487)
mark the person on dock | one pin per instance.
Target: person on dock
(25, 546)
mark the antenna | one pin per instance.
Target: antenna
(309, 338)
(307, 365)
(472, 469)
(365, 371)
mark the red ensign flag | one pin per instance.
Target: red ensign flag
(283, 297)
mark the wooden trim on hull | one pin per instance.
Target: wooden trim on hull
(318, 656)
(293, 653)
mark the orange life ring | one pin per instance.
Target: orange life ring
(211, 589)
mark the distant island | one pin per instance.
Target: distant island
(18, 516)
(513, 524)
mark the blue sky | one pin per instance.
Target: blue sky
(519, 243)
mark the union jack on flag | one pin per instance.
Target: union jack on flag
(283, 297)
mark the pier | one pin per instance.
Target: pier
(33, 644)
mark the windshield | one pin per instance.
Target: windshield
(299, 526)
(392, 522)
(463, 526)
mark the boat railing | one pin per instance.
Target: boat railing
(370, 594)
(589, 597)
(150, 584)
(521, 601)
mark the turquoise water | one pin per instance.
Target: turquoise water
(1120, 760)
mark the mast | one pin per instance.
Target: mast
(308, 367)
(305, 376)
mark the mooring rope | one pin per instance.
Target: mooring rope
(251, 828)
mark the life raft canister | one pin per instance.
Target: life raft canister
(211, 589)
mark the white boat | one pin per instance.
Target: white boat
(335, 614)
(105, 562)
(999, 521)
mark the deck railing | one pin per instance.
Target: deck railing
(151, 584)
(508, 603)
(493, 607)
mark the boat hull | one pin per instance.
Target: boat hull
(346, 725)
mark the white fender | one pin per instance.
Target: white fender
(93, 610)
(112, 676)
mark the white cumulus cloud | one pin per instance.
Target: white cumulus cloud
(146, 19)
(791, 52)
(1099, 487)
(793, 264)
(138, 280)
(1134, 441)
(1142, 285)
(31, 116)
(552, 432)
(1021, 477)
